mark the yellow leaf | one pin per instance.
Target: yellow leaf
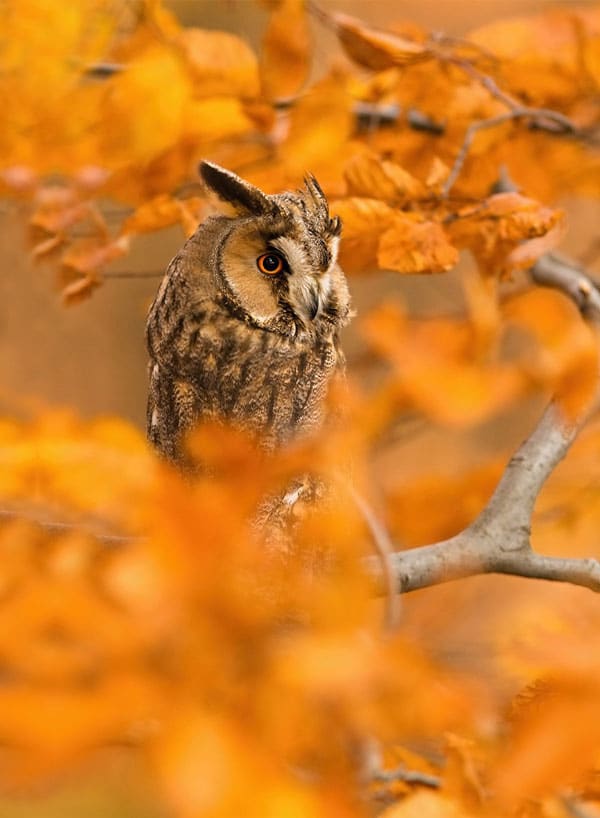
(375, 49)
(566, 356)
(493, 229)
(363, 221)
(437, 175)
(220, 63)
(89, 256)
(285, 58)
(412, 246)
(319, 127)
(159, 212)
(216, 118)
(371, 177)
(149, 121)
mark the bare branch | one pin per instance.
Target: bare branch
(408, 776)
(561, 274)
(498, 541)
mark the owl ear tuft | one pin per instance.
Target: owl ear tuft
(231, 188)
(317, 201)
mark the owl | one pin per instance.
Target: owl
(244, 328)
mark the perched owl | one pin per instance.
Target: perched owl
(245, 325)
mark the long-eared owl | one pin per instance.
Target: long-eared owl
(245, 325)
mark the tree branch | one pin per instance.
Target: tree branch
(498, 540)
(554, 271)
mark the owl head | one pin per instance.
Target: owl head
(276, 259)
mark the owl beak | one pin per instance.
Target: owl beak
(306, 297)
(313, 303)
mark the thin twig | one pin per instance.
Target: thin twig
(485, 80)
(538, 116)
(409, 777)
(130, 274)
(58, 527)
(385, 551)
(470, 133)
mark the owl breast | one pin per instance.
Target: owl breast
(270, 386)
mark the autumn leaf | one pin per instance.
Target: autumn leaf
(213, 118)
(163, 211)
(286, 51)
(567, 356)
(89, 256)
(470, 395)
(160, 118)
(372, 48)
(533, 762)
(220, 63)
(363, 222)
(370, 177)
(538, 55)
(414, 246)
(319, 126)
(494, 229)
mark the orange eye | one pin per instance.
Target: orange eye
(270, 263)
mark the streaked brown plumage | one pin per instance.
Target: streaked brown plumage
(229, 342)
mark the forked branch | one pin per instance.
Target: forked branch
(498, 540)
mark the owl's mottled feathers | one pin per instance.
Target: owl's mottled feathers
(232, 343)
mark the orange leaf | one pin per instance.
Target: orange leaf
(88, 256)
(375, 49)
(162, 211)
(411, 246)
(566, 358)
(526, 254)
(79, 290)
(220, 63)
(493, 229)
(320, 124)
(159, 118)
(43, 248)
(535, 763)
(285, 59)
(437, 175)
(374, 178)
(363, 221)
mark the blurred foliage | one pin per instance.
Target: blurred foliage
(144, 616)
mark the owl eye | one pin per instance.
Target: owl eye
(270, 263)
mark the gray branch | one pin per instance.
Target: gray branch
(554, 271)
(498, 540)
